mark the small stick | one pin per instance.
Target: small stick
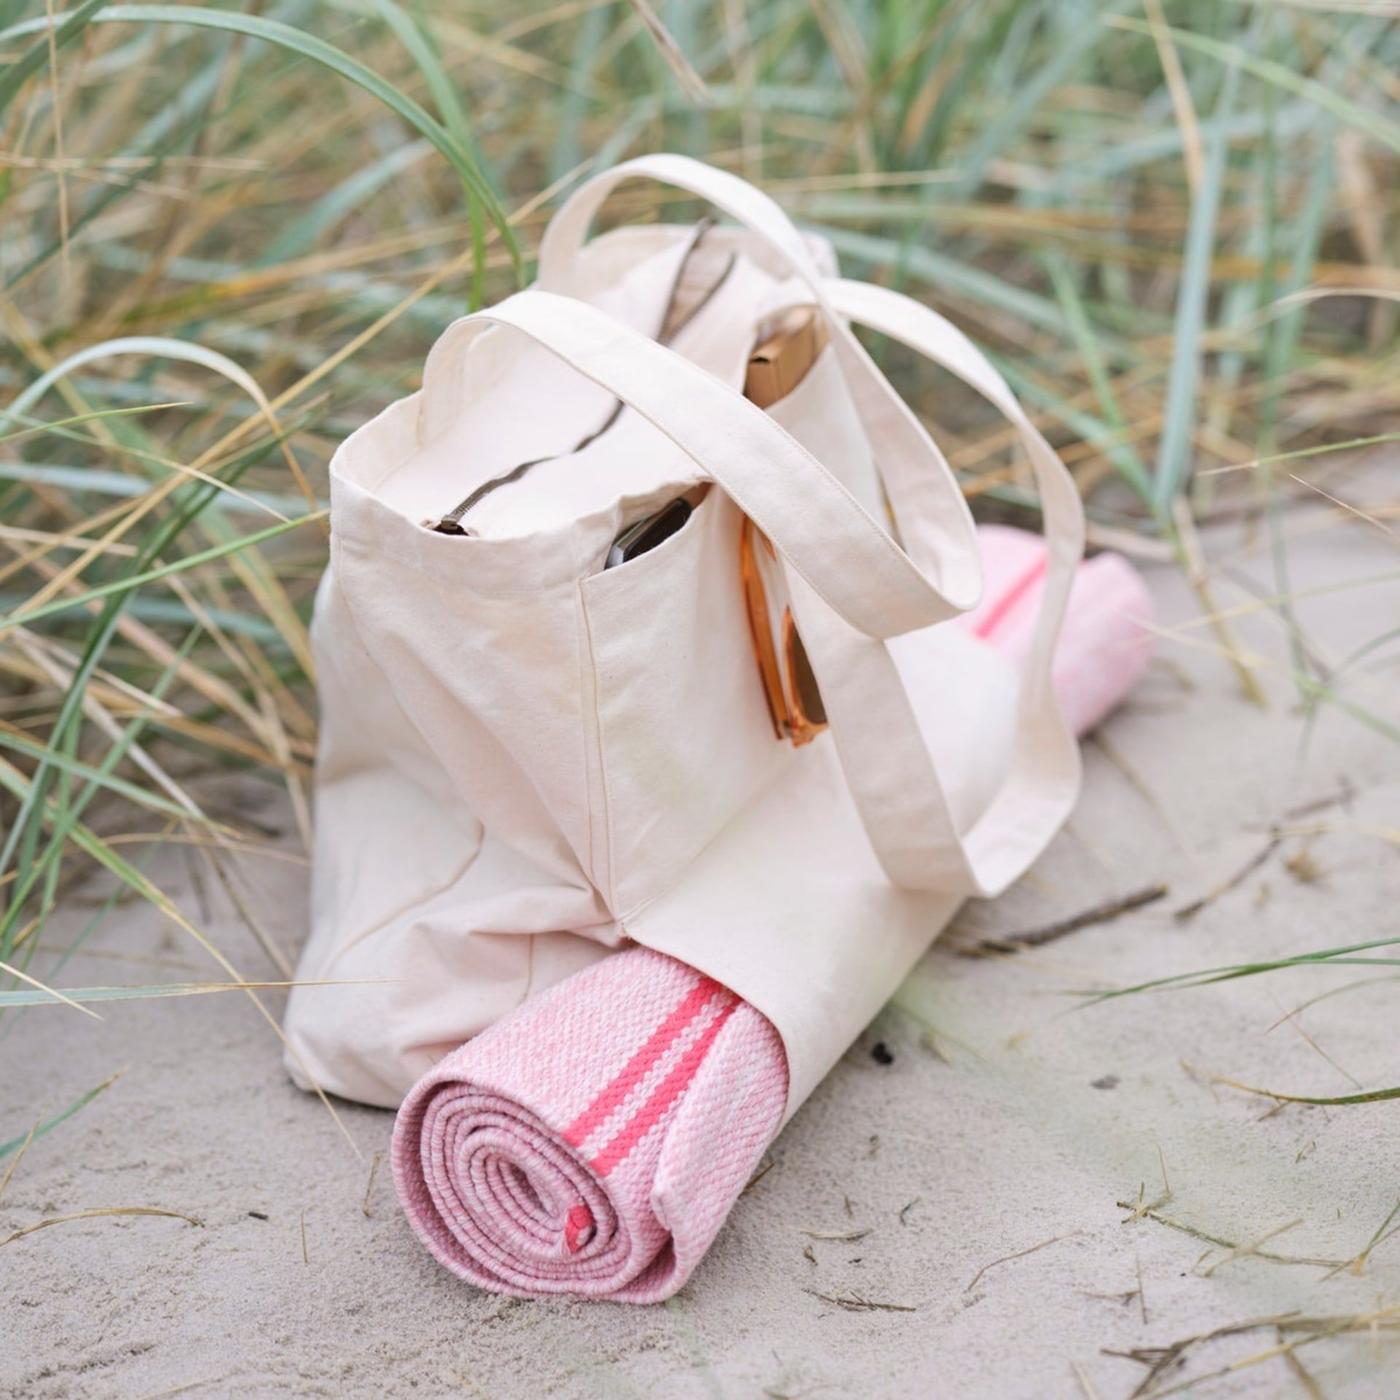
(1280, 1098)
(855, 1303)
(1245, 1250)
(1084, 1382)
(1305, 1378)
(19, 1157)
(1189, 911)
(93, 1215)
(759, 1175)
(369, 1185)
(1098, 914)
(1310, 809)
(1139, 1212)
(1020, 1254)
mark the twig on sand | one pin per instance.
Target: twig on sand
(759, 1175)
(1138, 1211)
(1245, 1250)
(1341, 798)
(369, 1185)
(1164, 1358)
(1085, 1384)
(24, 1147)
(93, 1214)
(1280, 1098)
(1189, 911)
(853, 1302)
(1020, 1254)
(1384, 1231)
(835, 1236)
(1124, 1296)
(1304, 1376)
(1048, 933)
(1160, 1360)
(185, 1387)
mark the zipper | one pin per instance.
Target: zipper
(451, 522)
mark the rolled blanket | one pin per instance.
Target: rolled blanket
(1104, 645)
(593, 1142)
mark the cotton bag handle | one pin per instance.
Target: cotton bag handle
(887, 764)
(825, 535)
(935, 523)
(567, 231)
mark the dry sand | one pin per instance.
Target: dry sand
(985, 1165)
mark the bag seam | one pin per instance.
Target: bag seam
(599, 822)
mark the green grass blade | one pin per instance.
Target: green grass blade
(66, 28)
(340, 203)
(34, 996)
(121, 586)
(161, 347)
(304, 45)
(196, 500)
(1175, 448)
(75, 767)
(1321, 94)
(1120, 452)
(69, 813)
(49, 1124)
(1334, 957)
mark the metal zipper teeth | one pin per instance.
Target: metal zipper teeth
(451, 523)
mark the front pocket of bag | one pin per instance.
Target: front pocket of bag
(682, 732)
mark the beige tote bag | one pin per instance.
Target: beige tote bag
(529, 758)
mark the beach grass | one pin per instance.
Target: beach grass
(228, 236)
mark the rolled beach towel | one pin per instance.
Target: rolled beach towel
(1104, 645)
(593, 1142)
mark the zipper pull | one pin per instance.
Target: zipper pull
(449, 524)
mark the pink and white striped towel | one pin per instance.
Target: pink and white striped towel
(593, 1142)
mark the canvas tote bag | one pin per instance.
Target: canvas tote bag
(529, 759)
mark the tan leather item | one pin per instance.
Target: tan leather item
(781, 362)
(776, 367)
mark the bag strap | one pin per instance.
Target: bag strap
(567, 231)
(936, 525)
(825, 535)
(876, 731)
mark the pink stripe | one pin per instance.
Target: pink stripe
(579, 1227)
(640, 1065)
(996, 614)
(663, 1096)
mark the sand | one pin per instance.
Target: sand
(985, 1168)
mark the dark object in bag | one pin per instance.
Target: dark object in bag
(646, 534)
